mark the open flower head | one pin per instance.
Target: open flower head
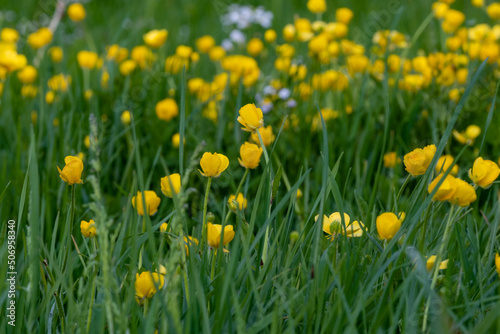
(388, 224)
(250, 155)
(151, 199)
(332, 225)
(88, 229)
(169, 183)
(146, 285)
(72, 172)
(214, 234)
(213, 164)
(417, 161)
(484, 172)
(251, 118)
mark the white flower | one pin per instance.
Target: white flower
(266, 107)
(284, 93)
(291, 103)
(227, 45)
(237, 36)
(269, 90)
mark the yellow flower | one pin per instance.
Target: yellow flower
(27, 75)
(176, 139)
(87, 59)
(270, 35)
(391, 160)
(189, 242)
(163, 227)
(255, 47)
(497, 263)
(214, 232)
(142, 55)
(445, 190)
(175, 180)
(250, 155)
(127, 67)
(237, 202)
(216, 53)
(417, 161)
(205, 43)
(152, 202)
(444, 163)
(251, 118)
(88, 228)
(344, 15)
(388, 224)
(155, 38)
(72, 172)
(493, 10)
(76, 12)
(464, 193)
(167, 109)
(9, 35)
(484, 172)
(146, 285)
(40, 38)
(432, 259)
(267, 136)
(316, 6)
(332, 225)
(468, 136)
(126, 117)
(213, 164)
(116, 53)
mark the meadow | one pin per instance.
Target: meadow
(262, 167)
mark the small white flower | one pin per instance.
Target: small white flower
(227, 45)
(269, 90)
(284, 93)
(237, 36)
(291, 103)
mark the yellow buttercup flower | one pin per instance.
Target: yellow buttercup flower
(146, 285)
(189, 242)
(468, 136)
(391, 160)
(169, 183)
(176, 140)
(444, 163)
(152, 202)
(464, 193)
(344, 15)
(142, 55)
(40, 38)
(493, 11)
(205, 43)
(497, 263)
(216, 53)
(88, 229)
(332, 225)
(27, 75)
(163, 227)
(250, 155)
(87, 59)
(56, 54)
(255, 47)
(214, 232)
(127, 67)
(239, 202)
(9, 35)
(267, 136)
(126, 117)
(72, 171)
(417, 161)
(432, 259)
(388, 224)
(155, 38)
(270, 35)
(213, 164)
(251, 118)
(167, 109)
(445, 190)
(484, 172)
(76, 12)
(316, 6)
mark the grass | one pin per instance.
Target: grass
(281, 274)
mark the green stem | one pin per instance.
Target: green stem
(214, 258)
(60, 310)
(236, 194)
(442, 247)
(263, 147)
(142, 246)
(71, 223)
(92, 297)
(146, 307)
(205, 204)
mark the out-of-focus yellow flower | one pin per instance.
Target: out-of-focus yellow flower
(195, 56)
(217, 53)
(167, 109)
(29, 91)
(72, 171)
(10, 60)
(34, 117)
(417, 161)
(55, 122)
(251, 118)
(88, 94)
(270, 35)
(87, 59)
(86, 141)
(50, 97)
(126, 117)
(444, 163)
(237, 202)
(116, 53)
(142, 55)
(493, 11)
(213, 164)
(250, 155)
(166, 188)
(388, 224)
(255, 47)
(267, 136)
(430, 263)
(174, 64)
(76, 12)
(163, 227)
(440, 9)
(40, 38)
(477, 3)
(189, 242)
(205, 43)
(484, 172)
(59, 82)
(468, 136)
(155, 38)
(316, 6)
(88, 229)
(497, 263)
(176, 139)
(344, 15)
(81, 155)
(289, 32)
(152, 202)
(127, 67)
(332, 225)
(452, 20)
(9, 35)
(146, 285)
(214, 232)
(391, 159)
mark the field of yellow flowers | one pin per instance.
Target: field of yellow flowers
(214, 167)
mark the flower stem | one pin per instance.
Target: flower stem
(205, 204)
(142, 246)
(71, 222)
(237, 192)
(263, 147)
(442, 247)
(214, 258)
